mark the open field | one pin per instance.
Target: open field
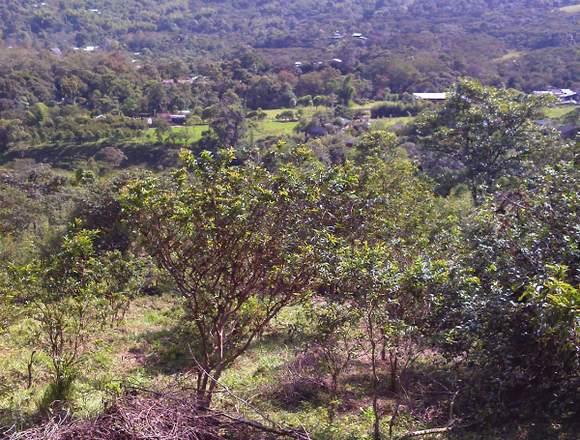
(177, 135)
(572, 9)
(386, 123)
(306, 111)
(511, 55)
(559, 111)
(274, 128)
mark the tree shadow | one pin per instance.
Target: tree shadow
(167, 351)
(164, 351)
(69, 155)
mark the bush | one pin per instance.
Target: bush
(305, 101)
(397, 110)
(287, 116)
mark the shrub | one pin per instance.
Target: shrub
(397, 110)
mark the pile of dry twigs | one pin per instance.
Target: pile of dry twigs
(150, 415)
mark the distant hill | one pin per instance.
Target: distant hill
(55, 48)
(210, 25)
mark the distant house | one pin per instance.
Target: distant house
(183, 81)
(173, 119)
(178, 119)
(433, 97)
(359, 36)
(564, 96)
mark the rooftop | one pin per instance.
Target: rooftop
(431, 96)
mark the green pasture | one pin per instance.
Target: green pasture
(559, 111)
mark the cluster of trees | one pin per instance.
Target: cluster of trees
(397, 109)
(65, 124)
(191, 56)
(418, 47)
(273, 24)
(392, 272)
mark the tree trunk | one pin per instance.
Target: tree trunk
(383, 346)
(201, 389)
(30, 364)
(473, 188)
(394, 364)
(375, 382)
(334, 396)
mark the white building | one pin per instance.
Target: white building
(435, 97)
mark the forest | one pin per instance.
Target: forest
(340, 220)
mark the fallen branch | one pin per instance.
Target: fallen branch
(443, 430)
(290, 433)
(427, 432)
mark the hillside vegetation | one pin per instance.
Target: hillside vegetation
(235, 219)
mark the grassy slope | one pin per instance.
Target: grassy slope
(145, 149)
(386, 123)
(119, 357)
(145, 352)
(186, 135)
(560, 111)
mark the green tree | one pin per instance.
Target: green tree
(227, 120)
(11, 133)
(71, 88)
(485, 133)
(337, 335)
(376, 143)
(157, 99)
(371, 282)
(346, 91)
(8, 311)
(386, 220)
(162, 128)
(39, 115)
(518, 321)
(235, 241)
(68, 296)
